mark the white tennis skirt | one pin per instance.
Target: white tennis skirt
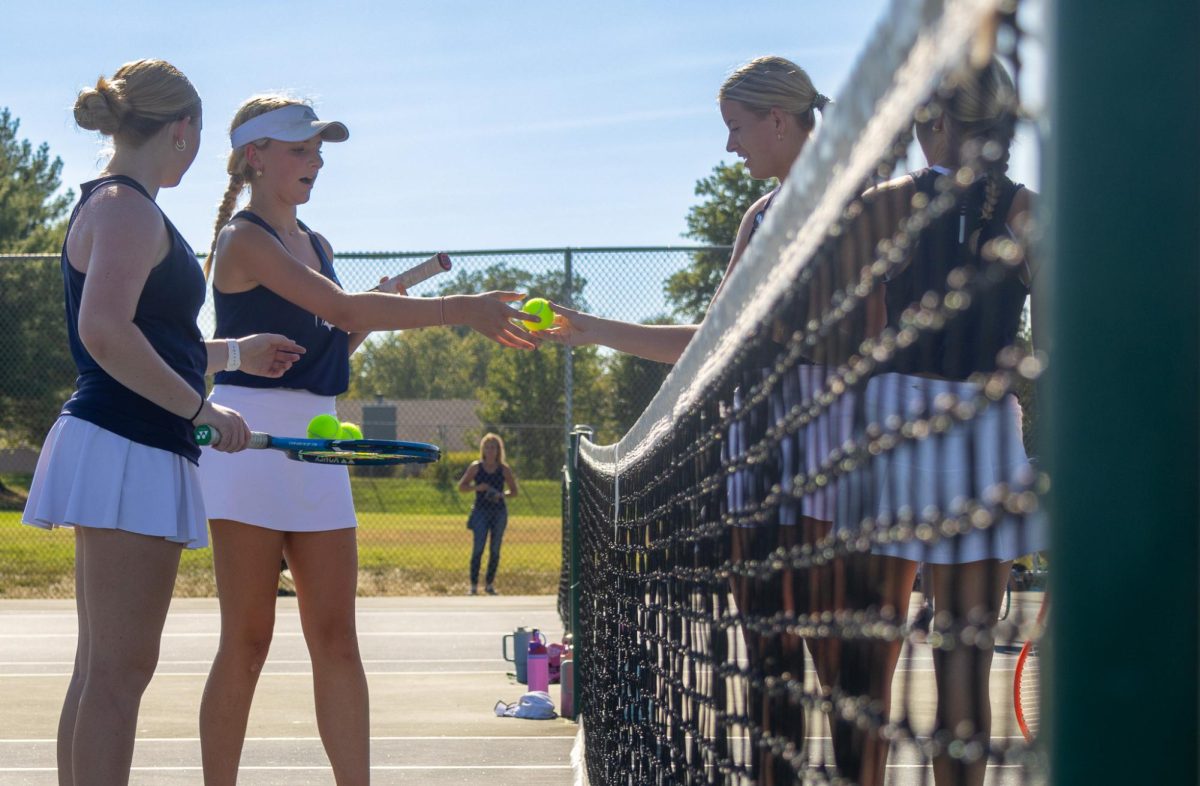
(87, 476)
(808, 450)
(265, 487)
(939, 475)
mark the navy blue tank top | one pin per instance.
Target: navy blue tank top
(760, 215)
(166, 314)
(496, 481)
(324, 368)
(971, 341)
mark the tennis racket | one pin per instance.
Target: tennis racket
(438, 263)
(1027, 679)
(360, 452)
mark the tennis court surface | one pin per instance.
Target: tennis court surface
(435, 672)
(433, 664)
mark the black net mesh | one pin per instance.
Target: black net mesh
(852, 409)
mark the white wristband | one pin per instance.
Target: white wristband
(234, 360)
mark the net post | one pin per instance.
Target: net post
(577, 434)
(1123, 203)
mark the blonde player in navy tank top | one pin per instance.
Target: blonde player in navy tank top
(970, 570)
(118, 465)
(269, 269)
(769, 107)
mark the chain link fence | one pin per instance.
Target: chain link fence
(448, 386)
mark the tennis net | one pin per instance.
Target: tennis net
(851, 408)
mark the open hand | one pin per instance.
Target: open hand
(571, 327)
(490, 315)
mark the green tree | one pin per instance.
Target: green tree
(727, 194)
(420, 364)
(525, 401)
(521, 394)
(36, 371)
(549, 284)
(32, 218)
(450, 363)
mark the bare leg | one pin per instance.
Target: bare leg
(883, 585)
(325, 566)
(128, 580)
(66, 722)
(758, 598)
(815, 591)
(246, 560)
(965, 594)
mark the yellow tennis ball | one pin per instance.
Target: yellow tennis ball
(539, 308)
(349, 431)
(324, 427)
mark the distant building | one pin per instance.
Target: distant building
(18, 460)
(451, 424)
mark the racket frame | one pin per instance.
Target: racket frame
(353, 452)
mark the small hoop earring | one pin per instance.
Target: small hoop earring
(258, 173)
(779, 137)
(181, 145)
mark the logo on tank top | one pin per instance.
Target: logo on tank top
(322, 323)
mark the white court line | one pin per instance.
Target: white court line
(451, 738)
(278, 634)
(370, 673)
(165, 662)
(325, 768)
(175, 615)
(390, 768)
(268, 673)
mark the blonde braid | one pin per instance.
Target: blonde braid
(997, 173)
(237, 182)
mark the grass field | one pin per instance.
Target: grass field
(412, 540)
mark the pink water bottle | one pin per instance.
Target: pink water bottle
(537, 665)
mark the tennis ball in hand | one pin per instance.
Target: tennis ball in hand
(324, 427)
(349, 431)
(539, 308)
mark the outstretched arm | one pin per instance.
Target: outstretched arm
(664, 343)
(260, 260)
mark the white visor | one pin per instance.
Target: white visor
(292, 123)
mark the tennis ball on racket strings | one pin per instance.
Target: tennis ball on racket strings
(349, 431)
(324, 427)
(539, 308)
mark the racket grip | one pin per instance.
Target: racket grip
(208, 435)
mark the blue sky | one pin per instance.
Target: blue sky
(473, 124)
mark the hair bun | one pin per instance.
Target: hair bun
(101, 108)
(820, 101)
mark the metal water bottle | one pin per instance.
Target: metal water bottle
(537, 663)
(566, 679)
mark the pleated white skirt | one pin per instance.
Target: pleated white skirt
(87, 476)
(938, 476)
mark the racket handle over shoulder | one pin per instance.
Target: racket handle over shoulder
(208, 435)
(438, 263)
